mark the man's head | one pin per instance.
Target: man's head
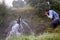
(46, 12)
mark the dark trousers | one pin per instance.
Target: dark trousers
(54, 23)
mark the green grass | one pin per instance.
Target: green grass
(52, 36)
(46, 36)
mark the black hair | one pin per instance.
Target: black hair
(47, 10)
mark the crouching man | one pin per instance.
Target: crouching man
(54, 16)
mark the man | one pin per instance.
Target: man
(14, 29)
(53, 16)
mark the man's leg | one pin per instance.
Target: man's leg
(9, 35)
(54, 24)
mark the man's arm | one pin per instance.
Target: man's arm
(50, 15)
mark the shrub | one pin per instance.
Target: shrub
(3, 12)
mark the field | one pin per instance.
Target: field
(45, 36)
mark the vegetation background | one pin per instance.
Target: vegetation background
(34, 13)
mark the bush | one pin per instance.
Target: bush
(3, 12)
(56, 6)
